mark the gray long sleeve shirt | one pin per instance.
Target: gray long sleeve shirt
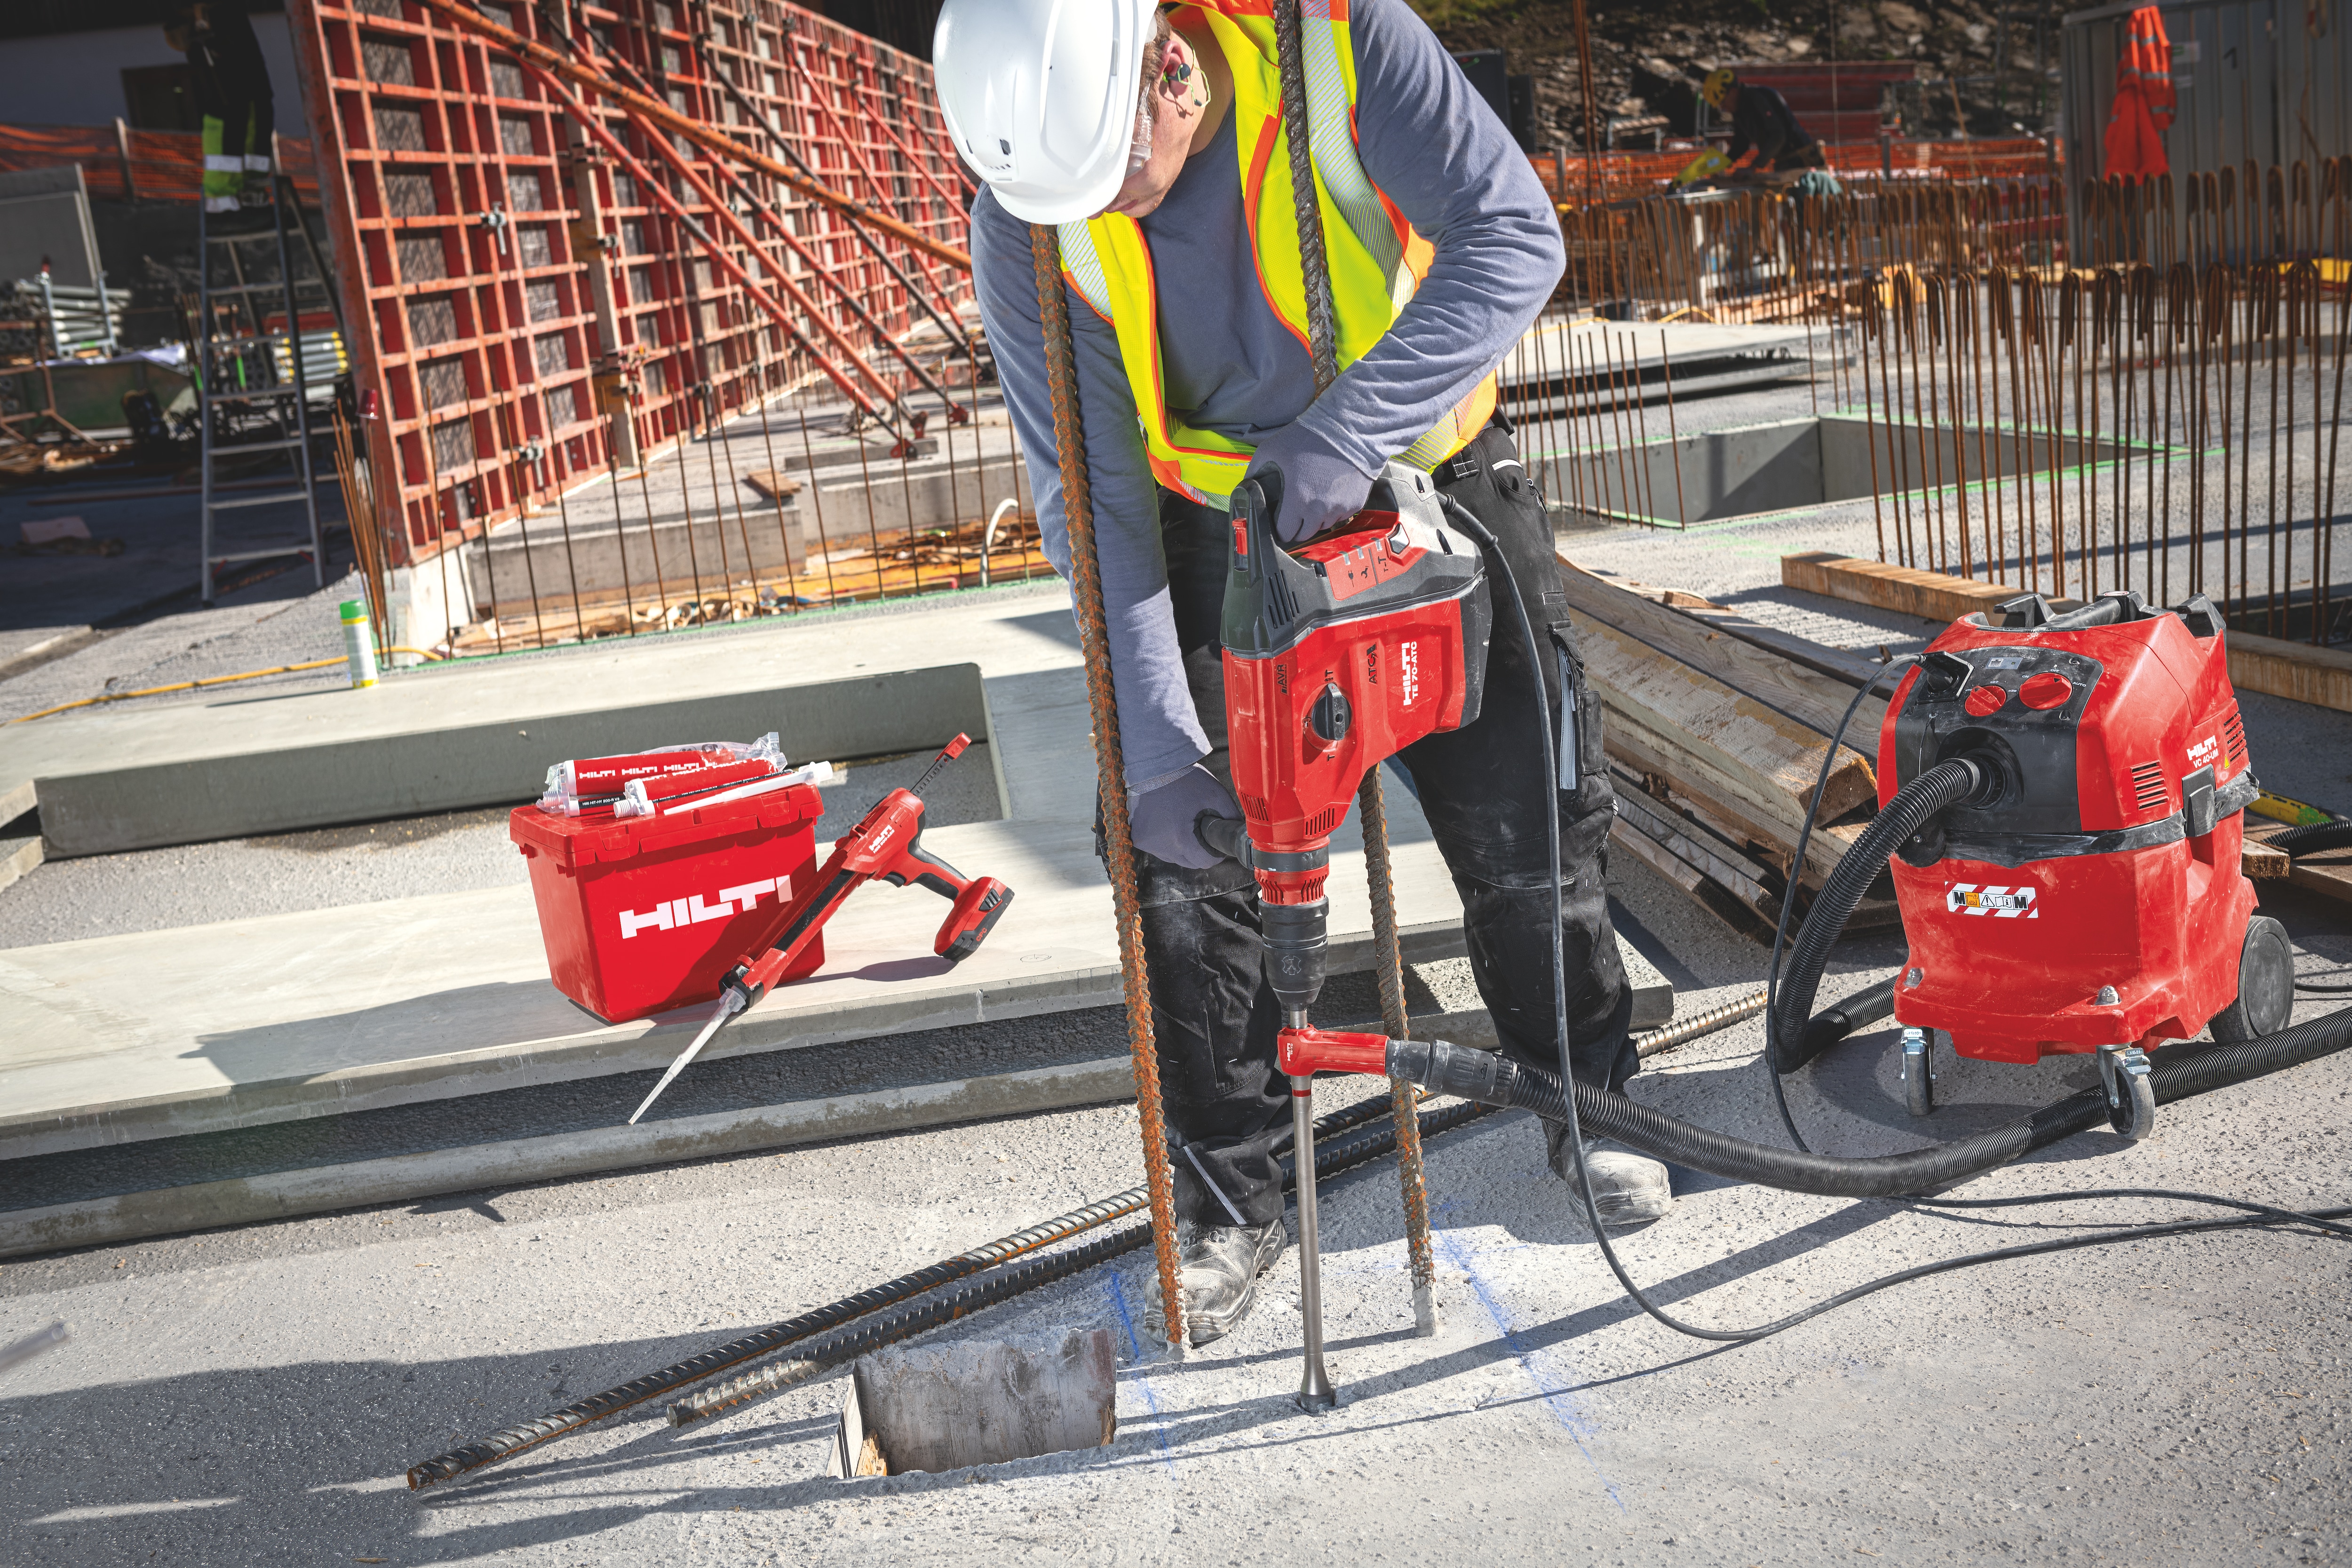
(1426, 139)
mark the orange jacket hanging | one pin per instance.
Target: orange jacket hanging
(2144, 99)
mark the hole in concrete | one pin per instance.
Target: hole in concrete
(1753, 469)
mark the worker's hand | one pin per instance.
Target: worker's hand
(1320, 487)
(1161, 820)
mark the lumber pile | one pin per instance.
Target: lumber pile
(2327, 873)
(2299, 671)
(1717, 730)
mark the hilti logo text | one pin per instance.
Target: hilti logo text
(676, 913)
(2001, 903)
(2203, 752)
(1409, 670)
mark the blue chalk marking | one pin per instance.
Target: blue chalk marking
(1557, 1399)
(1135, 1349)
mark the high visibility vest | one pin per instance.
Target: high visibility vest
(1376, 259)
(2133, 143)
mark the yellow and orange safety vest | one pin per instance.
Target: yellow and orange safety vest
(1376, 259)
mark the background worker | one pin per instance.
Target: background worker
(1762, 124)
(231, 85)
(1149, 137)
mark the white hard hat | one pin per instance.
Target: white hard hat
(1041, 98)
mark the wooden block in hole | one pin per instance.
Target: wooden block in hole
(772, 483)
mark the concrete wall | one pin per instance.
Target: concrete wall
(425, 601)
(1718, 473)
(602, 558)
(928, 495)
(1908, 456)
(1802, 462)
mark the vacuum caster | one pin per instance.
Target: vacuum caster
(1918, 1072)
(2131, 1092)
(2265, 985)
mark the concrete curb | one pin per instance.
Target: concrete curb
(19, 857)
(287, 1195)
(290, 1194)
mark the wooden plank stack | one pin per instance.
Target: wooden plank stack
(1715, 730)
(2300, 671)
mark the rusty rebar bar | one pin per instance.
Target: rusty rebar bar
(1102, 703)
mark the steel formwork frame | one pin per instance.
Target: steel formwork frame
(530, 315)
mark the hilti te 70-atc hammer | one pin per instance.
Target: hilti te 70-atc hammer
(2090, 766)
(886, 845)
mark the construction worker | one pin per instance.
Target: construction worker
(1149, 136)
(1762, 125)
(231, 83)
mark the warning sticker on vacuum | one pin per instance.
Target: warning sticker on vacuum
(2001, 903)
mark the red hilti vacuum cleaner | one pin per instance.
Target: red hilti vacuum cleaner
(2086, 895)
(2061, 795)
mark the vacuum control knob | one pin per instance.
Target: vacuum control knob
(1986, 698)
(1331, 714)
(2047, 689)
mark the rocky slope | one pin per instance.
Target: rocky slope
(1648, 58)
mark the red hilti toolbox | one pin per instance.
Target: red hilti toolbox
(642, 914)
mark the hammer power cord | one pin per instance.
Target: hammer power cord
(2254, 1214)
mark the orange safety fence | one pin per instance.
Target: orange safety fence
(1615, 175)
(136, 165)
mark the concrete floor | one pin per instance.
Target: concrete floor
(254, 1395)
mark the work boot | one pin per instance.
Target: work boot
(1217, 1270)
(1629, 1188)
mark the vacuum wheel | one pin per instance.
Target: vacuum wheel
(2265, 985)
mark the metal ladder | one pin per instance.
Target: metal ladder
(247, 372)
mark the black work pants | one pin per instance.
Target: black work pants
(1483, 789)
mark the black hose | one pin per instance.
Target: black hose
(2311, 838)
(1493, 1079)
(1773, 1049)
(1871, 1004)
(1915, 805)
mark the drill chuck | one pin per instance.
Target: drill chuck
(1297, 941)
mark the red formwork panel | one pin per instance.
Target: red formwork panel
(518, 294)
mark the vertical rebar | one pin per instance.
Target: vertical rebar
(816, 500)
(1674, 435)
(1086, 575)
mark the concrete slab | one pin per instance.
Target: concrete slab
(445, 743)
(482, 733)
